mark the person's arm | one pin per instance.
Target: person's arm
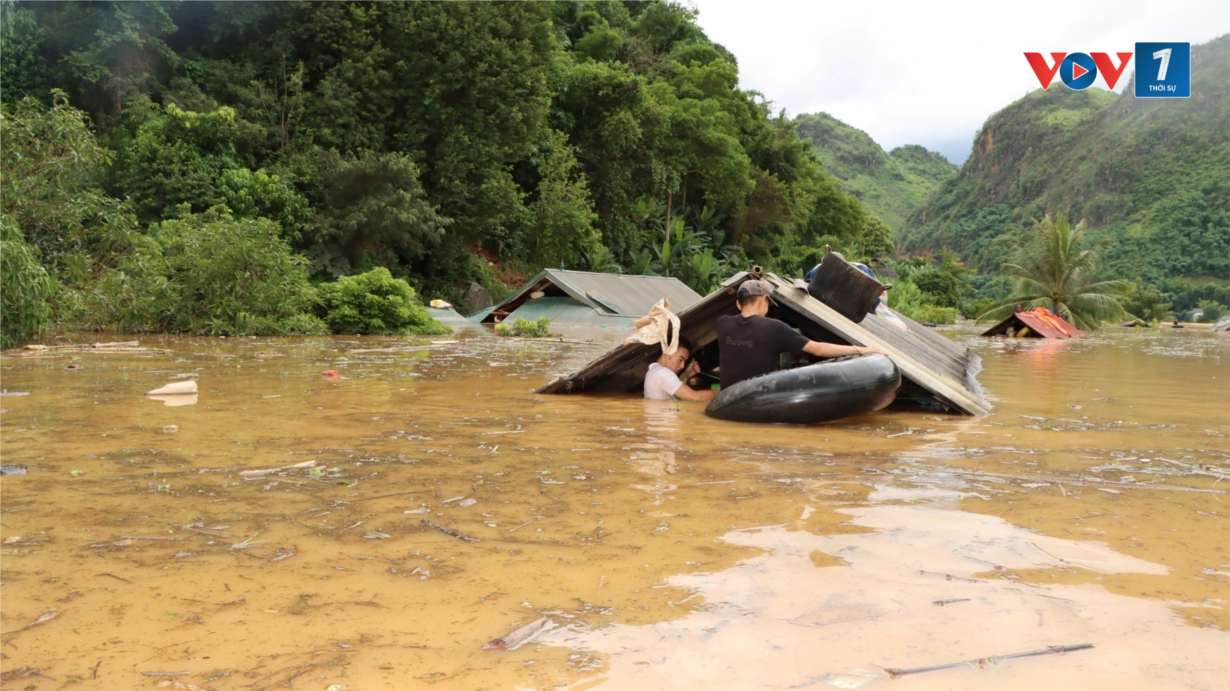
(687, 393)
(791, 341)
(827, 350)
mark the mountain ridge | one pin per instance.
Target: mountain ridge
(890, 184)
(1149, 176)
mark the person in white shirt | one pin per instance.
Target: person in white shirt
(662, 380)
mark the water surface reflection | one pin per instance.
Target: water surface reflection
(297, 531)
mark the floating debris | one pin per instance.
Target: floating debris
(856, 678)
(994, 661)
(21, 673)
(43, 619)
(174, 389)
(446, 531)
(521, 636)
(266, 471)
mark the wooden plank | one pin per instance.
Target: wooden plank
(943, 386)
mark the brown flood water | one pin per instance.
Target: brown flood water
(670, 550)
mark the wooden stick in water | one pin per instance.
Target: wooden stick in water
(1049, 650)
(446, 531)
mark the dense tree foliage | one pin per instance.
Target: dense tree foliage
(25, 302)
(426, 138)
(208, 273)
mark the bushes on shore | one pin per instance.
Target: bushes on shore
(26, 308)
(210, 274)
(214, 274)
(374, 303)
(73, 256)
(930, 293)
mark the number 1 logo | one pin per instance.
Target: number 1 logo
(1164, 55)
(1168, 74)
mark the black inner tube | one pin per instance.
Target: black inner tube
(815, 393)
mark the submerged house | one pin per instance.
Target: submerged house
(934, 370)
(1035, 323)
(584, 298)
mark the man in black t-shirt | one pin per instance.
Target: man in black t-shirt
(750, 343)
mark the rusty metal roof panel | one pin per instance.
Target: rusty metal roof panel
(1038, 325)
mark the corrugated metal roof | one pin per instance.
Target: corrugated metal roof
(943, 368)
(480, 315)
(631, 296)
(608, 294)
(450, 318)
(1037, 325)
(564, 311)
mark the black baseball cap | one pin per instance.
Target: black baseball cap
(754, 288)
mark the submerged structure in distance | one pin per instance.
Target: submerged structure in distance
(934, 370)
(584, 298)
(1035, 323)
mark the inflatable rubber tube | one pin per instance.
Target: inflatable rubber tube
(815, 393)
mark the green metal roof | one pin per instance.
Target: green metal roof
(606, 294)
(449, 317)
(480, 315)
(564, 311)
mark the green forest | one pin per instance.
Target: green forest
(1149, 177)
(210, 167)
(290, 167)
(890, 184)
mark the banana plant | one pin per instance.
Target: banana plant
(688, 251)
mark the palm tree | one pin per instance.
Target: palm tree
(1054, 272)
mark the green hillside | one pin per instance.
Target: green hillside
(890, 185)
(1151, 178)
(449, 143)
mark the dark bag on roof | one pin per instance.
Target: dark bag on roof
(842, 286)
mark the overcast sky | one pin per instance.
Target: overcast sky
(930, 73)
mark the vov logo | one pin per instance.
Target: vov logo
(1078, 71)
(1163, 70)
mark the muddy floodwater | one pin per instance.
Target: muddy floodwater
(374, 531)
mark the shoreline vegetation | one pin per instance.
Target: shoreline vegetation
(277, 168)
(211, 167)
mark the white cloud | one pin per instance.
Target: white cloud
(930, 73)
